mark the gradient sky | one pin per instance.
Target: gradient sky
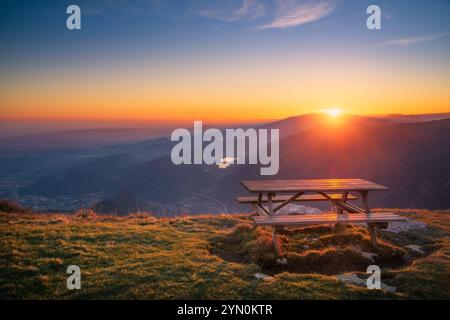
(233, 60)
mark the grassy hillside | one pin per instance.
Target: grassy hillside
(214, 257)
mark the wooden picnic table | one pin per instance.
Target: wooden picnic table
(323, 187)
(337, 191)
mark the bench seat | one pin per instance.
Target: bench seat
(327, 218)
(304, 197)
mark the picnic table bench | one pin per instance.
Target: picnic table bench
(276, 194)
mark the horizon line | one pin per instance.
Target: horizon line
(207, 120)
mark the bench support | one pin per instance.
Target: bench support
(343, 199)
(287, 201)
(260, 210)
(276, 244)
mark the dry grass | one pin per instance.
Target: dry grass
(211, 257)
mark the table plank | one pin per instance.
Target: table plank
(281, 198)
(310, 219)
(311, 185)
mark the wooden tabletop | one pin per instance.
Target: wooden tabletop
(311, 185)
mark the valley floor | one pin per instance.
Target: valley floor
(216, 257)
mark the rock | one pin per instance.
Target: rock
(415, 248)
(369, 255)
(354, 279)
(296, 209)
(388, 288)
(351, 278)
(281, 262)
(262, 276)
(408, 225)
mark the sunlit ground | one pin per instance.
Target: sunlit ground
(216, 257)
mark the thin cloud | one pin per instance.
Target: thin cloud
(249, 9)
(291, 13)
(404, 42)
(100, 7)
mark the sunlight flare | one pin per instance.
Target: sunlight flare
(333, 112)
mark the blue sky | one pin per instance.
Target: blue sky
(36, 29)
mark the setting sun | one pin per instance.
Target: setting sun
(333, 112)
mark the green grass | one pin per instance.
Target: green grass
(212, 257)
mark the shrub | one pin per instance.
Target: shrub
(11, 206)
(85, 214)
(140, 215)
(327, 261)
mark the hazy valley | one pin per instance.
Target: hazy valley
(411, 157)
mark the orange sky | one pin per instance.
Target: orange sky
(229, 91)
(246, 62)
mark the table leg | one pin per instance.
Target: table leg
(276, 244)
(373, 234)
(370, 226)
(365, 201)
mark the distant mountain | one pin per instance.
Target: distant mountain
(144, 150)
(298, 124)
(410, 158)
(77, 139)
(131, 138)
(124, 203)
(95, 176)
(182, 188)
(414, 118)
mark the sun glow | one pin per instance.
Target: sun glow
(333, 112)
